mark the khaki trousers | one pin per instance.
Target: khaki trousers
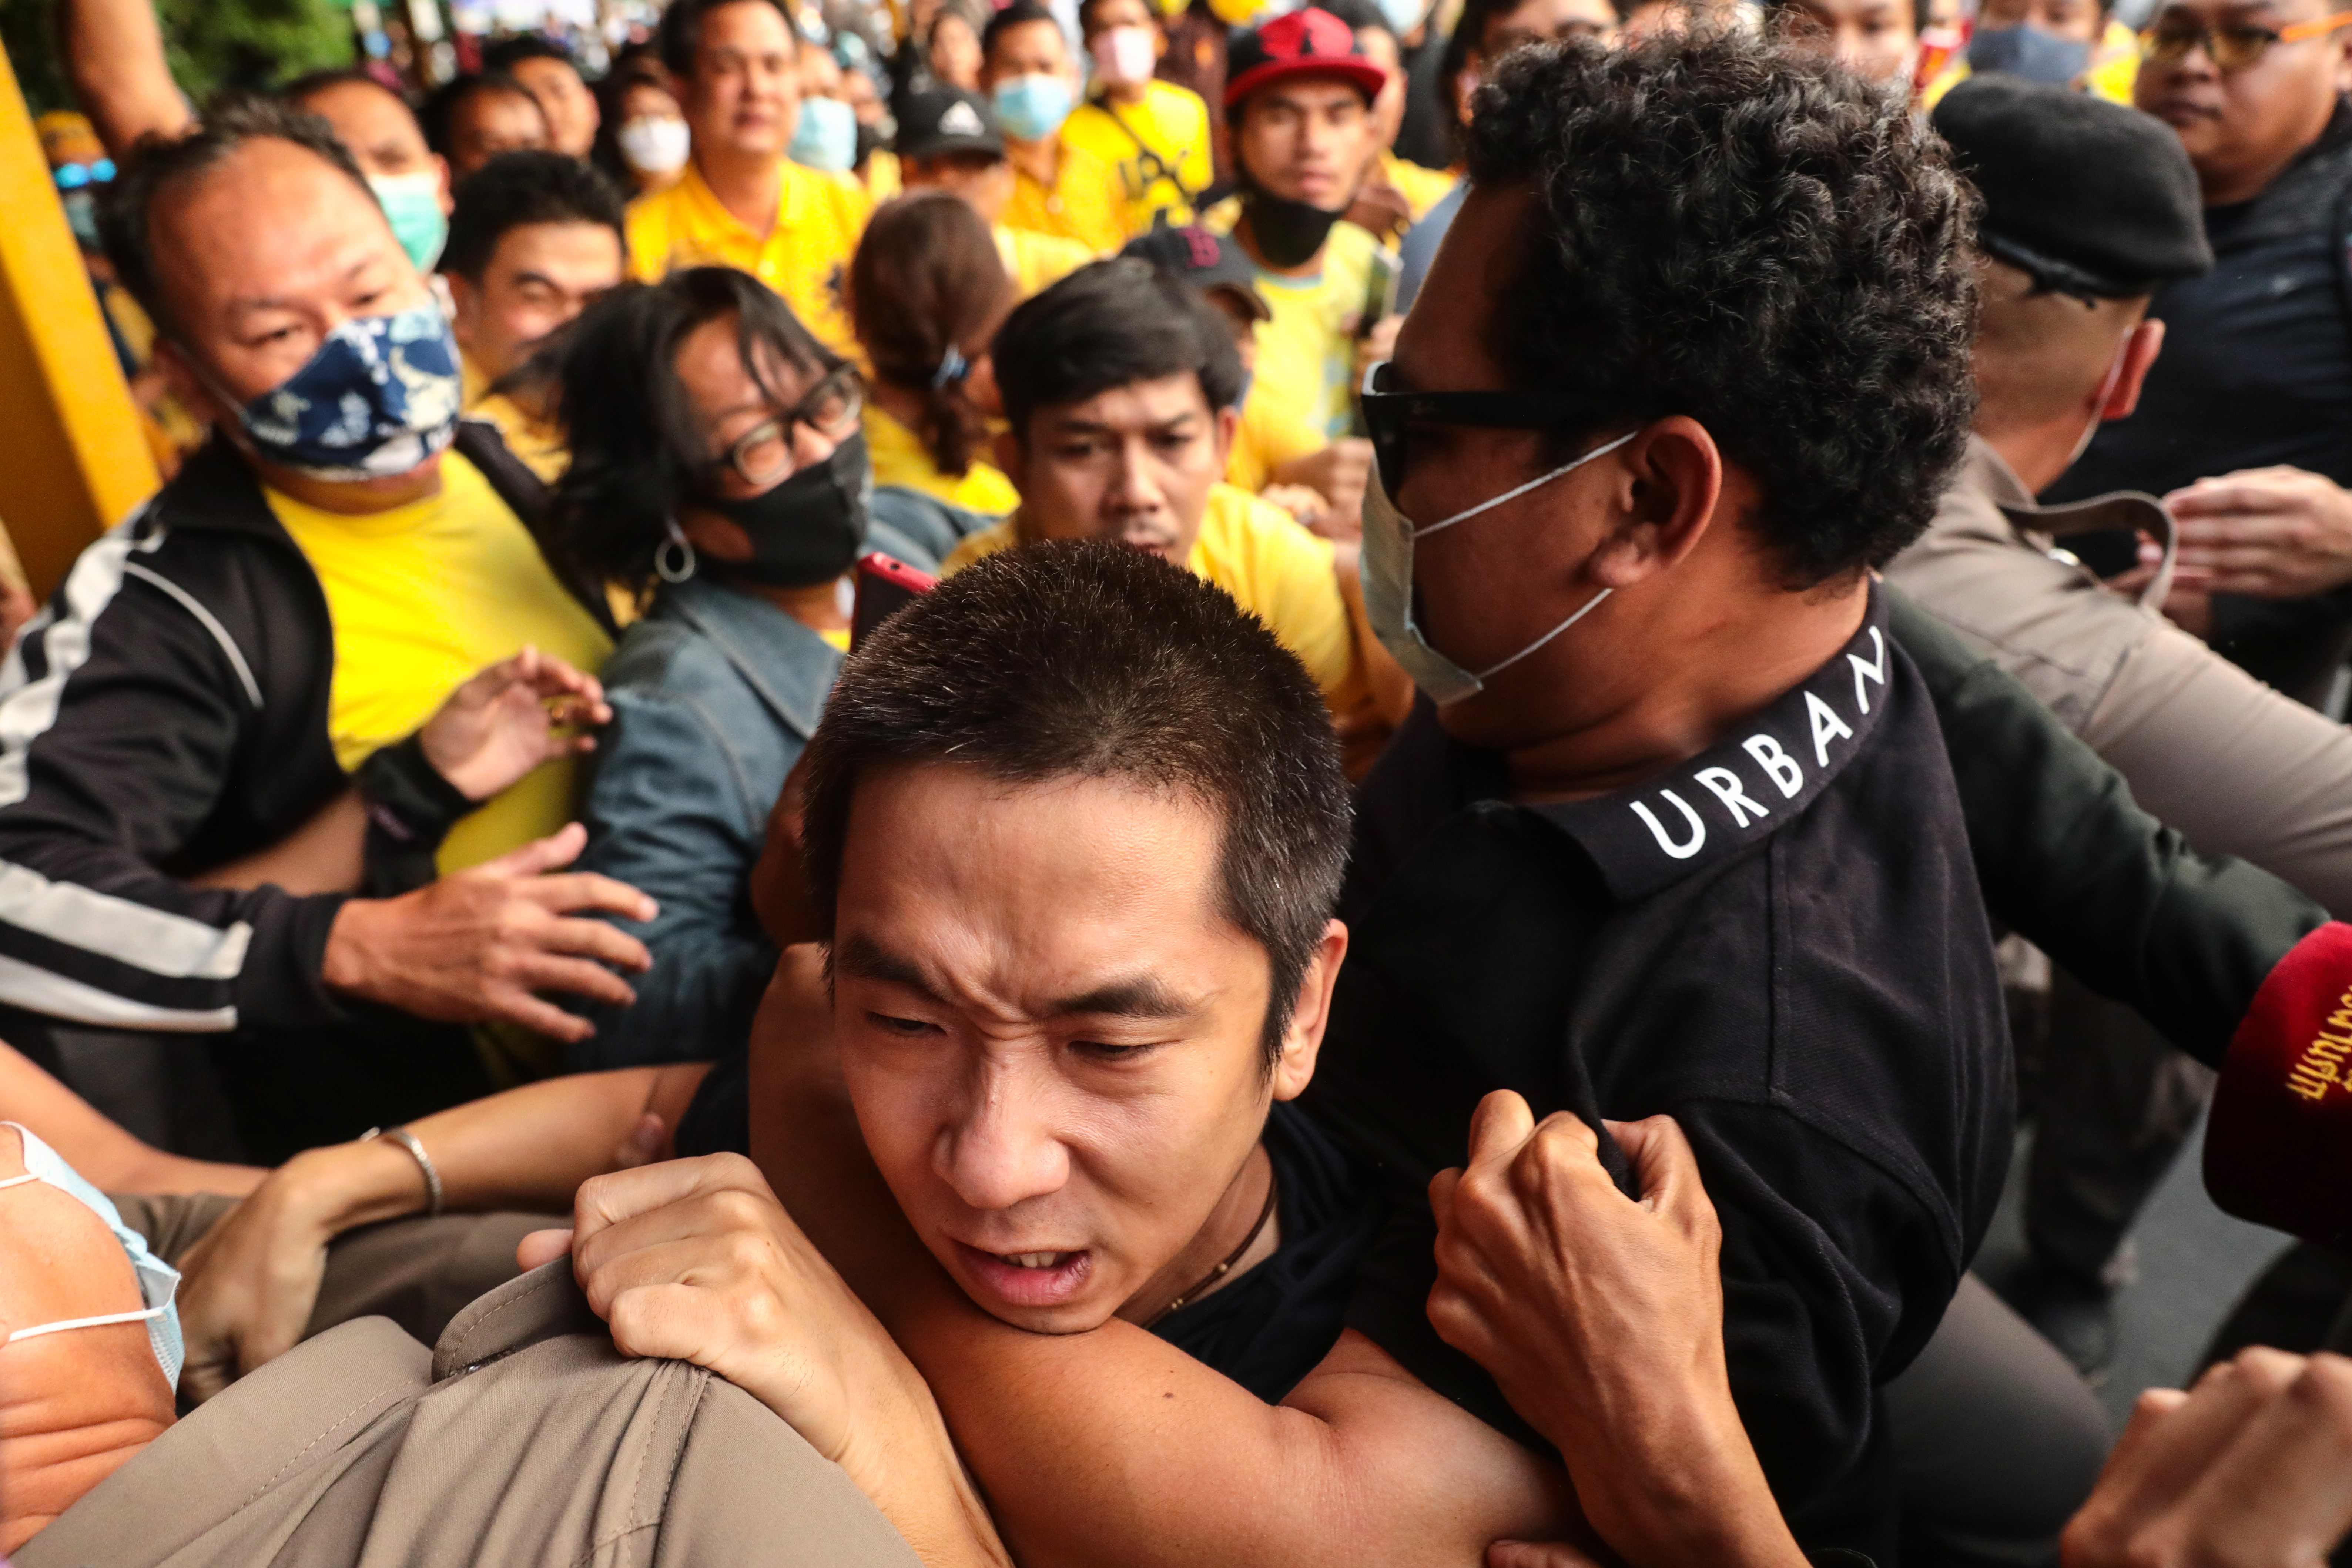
(523, 1438)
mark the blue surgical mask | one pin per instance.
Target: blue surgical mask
(81, 217)
(159, 1282)
(2036, 54)
(1389, 538)
(379, 397)
(1032, 108)
(1403, 15)
(411, 205)
(826, 137)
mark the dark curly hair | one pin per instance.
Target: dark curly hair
(1754, 238)
(1083, 659)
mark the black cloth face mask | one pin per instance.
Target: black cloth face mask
(1286, 233)
(807, 530)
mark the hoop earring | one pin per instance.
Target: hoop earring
(674, 557)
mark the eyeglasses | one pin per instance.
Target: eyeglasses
(1389, 416)
(764, 455)
(2234, 47)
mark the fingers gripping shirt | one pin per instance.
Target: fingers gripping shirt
(1780, 941)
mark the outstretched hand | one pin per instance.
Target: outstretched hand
(509, 718)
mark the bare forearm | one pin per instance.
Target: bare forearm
(528, 1149)
(326, 854)
(114, 57)
(109, 1157)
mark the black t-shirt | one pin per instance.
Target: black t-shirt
(1782, 943)
(1265, 1329)
(2256, 371)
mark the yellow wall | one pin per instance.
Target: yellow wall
(73, 462)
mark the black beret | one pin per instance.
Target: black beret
(2089, 197)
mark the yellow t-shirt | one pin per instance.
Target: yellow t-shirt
(1421, 187)
(805, 257)
(537, 442)
(1307, 351)
(883, 180)
(423, 597)
(1271, 434)
(1274, 569)
(1085, 204)
(1166, 157)
(1037, 262)
(899, 458)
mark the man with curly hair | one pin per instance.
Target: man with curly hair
(1674, 831)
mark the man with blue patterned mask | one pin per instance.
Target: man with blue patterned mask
(328, 659)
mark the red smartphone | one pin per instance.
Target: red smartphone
(884, 583)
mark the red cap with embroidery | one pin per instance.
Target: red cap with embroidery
(1301, 43)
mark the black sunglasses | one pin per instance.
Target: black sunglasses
(1389, 416)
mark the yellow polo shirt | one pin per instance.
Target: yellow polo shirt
(422, 598)
(1421, 187)
(805, 257)
(1037, 262)
(1159, 148)
(900, 457)
(1084, 203)
(1274, 569)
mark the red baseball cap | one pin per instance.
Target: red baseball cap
(1300, 43)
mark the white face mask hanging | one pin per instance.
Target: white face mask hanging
(159, 1282)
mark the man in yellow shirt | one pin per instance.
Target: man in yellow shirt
(534, 237)
(1154, 132)
(1416, 189)
(741, 202)
(251, 784)
(1119, 385)
(1298, 98)
(949, 140)
(1058, 188)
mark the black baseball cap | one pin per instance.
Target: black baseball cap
(2086, 196)
(941, 121)
(1203, 258)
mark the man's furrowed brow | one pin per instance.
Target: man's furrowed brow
(1138, 996)
(863, 958)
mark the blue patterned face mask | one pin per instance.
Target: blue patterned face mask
(158, 1280)
(378, 398)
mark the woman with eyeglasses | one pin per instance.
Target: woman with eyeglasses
(717, 473)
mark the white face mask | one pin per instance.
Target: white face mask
(654, 146)
(1124, 55)
(158, 1280)
(1389, 538)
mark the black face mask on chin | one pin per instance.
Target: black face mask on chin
(1285, 233)
(808, 530)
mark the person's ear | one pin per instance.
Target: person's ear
(1310, 1015)
(464, 304)
(1009, 458)
(448, 186)
(1229, 422)
(192, 391)
(1663, 486)
(2133, 362)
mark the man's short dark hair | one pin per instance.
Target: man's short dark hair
(1753, 237)
(679, 33)
(446, 103)
(1019, 14)
(524, 187)
(1110, 325)
(1087, 9)
(310, 84)
(509, 53)
(1083, 659)
(158, 164)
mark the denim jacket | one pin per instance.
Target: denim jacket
(714, 695)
